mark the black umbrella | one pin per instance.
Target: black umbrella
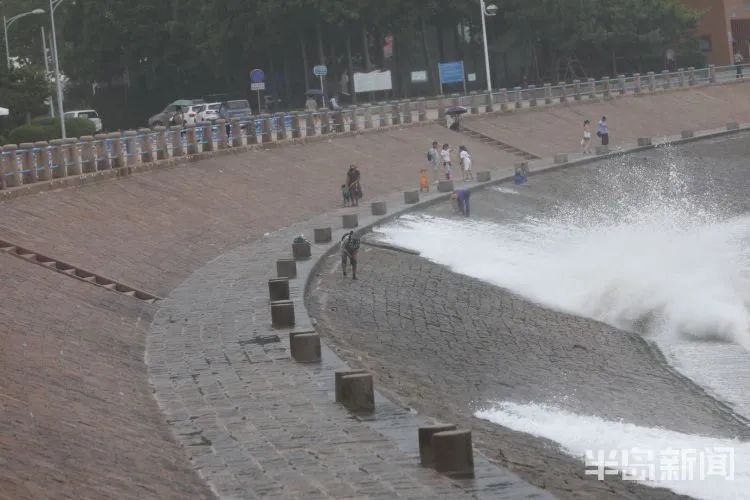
(456, 110)
(313, 92)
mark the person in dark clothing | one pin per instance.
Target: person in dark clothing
(355, 188)
(349, 250)
(462, 200)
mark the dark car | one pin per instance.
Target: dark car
(235, 109)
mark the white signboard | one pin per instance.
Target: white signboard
(372, 81)
(472, 77)
(418, 76)
(258, 86)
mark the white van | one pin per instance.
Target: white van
(86, 113)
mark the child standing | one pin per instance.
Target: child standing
(424, 181)
(346, 194)
(445, 155)
(465, 160)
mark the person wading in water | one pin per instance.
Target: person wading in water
(349, 250)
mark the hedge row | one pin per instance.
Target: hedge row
(45, 129)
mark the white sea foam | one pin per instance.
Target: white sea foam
(665, 458)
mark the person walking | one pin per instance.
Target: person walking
(349, 250)
(465, 161)
(433, 158)
(355, 187)
(603, 131)
(738, 60)
(586, 141)
(445, 156)
(311, 106)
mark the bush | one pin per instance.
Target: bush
(46, 128)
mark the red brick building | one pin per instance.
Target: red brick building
(725, 27)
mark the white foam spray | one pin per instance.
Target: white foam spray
(699, 466)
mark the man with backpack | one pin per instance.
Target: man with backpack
(433, 158)
(349, 250)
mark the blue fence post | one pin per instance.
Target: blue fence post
(59, 169)
(11, 172)
(175, 133)
(162, 144)
(73, 156)
(146, 139)
(222, 133)
(88, 154)
(28, 162)
(192, 139)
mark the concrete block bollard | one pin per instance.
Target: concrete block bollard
(607, 93)
(322, 235)
(484, 176)
(489, 104)
(236, 129)
(349, 221)
(602, 150)
(221, 128)
(502, 99)
(687, 134)
(132, 152)
(305, 347)
(442, 105)
(651, 77)
(386, 117)
(73, 155)
(532, 96)
(561, 158)
(712, 73)
(192, 139)
(278, 289)
(301, 251)
(357, 392)
(10, 171)
(621, 84)
(162, 144)
(407, 112)
(637, 83)
(453, 453)
(267, 129)
(445, 186)
(286, 268)
(691, 76)
(474, 100)
(282, 314)
(209, 143)
(563, 91)
(666, 80)
(43, 170)
(147, 145)
(395, 114)
(644, 141)
(422, 109)
(175, 134)
(411, 197)
(281, 131)
(424, 435)
(733, 126)
(547, 93)
(518, 97)
(682, 79)
(591, 86)
(576, 90)
(59, 169)
(337, 375)
(28, 162)
(378, 208)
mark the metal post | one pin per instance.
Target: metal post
(46, 72)
(7, 47)
(486, 51)
(57, 70)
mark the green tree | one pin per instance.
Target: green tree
(23, 91)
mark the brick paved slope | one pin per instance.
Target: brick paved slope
(151, 230)
(77, 419)
(558, 129)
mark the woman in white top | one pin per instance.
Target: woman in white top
(465, 160)
(586, 141)
(445, 156)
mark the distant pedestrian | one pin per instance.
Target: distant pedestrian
(586, 141)
(349, 250)
(433, 158)
(465, 161)
(445, 156)
(462, 201)
(603, 131)
(738, 60)
(333, 104)
(346, 195)
(354, 183)
(311, 106)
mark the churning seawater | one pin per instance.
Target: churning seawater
(656, 245)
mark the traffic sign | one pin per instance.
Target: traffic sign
(258, 86)
(320, 70)
(257, 76)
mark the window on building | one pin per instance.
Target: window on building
(704, 43)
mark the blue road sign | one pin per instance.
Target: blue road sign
(320, 70)
(257, 75)
(451, 72)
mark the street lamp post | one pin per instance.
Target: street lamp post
(52, 6)
(7, 24)
(46, 71)
(487, 10)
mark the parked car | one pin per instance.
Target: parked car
(209, 112)
(167, 115)
(235, 109)
(86, 113)
(190, 114)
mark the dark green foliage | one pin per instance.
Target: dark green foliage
(45, 129)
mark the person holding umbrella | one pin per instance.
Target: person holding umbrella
(455, 112)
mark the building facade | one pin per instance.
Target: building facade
(724, 29)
